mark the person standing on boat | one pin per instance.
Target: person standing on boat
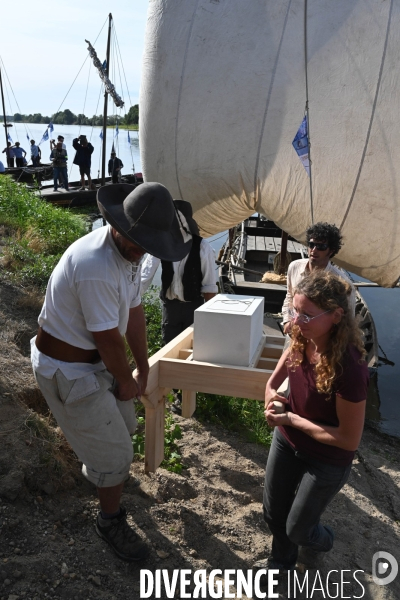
(36, 154)
(114, 167)
(83, 158)
(79, 359)
(60, 138)
(185, 285)
(20, 154)
(324, 242)
(10, 155)
(59, 158)
(319, 430)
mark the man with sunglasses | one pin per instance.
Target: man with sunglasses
(324, 242)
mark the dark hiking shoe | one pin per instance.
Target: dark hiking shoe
(121, 537)
(268, 564)
(176, 406)
(313, 559)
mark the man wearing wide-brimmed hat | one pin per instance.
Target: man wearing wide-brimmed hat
(185, 284)
(78, 356)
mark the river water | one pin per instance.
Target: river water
(383, 304)
(127, 152)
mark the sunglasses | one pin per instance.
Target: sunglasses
(295, 316)
(318, 246)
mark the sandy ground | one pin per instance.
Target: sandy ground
(208, 518)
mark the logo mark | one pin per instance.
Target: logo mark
(384, 568)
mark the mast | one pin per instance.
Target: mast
(103, 158)
(4, 110)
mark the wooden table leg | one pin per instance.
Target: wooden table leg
(188, 403)
(154, 440)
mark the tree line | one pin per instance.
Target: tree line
(67, 117)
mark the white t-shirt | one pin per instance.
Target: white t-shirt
(91, 289)
(175, 291)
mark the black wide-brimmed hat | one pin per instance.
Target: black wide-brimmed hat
(186, 209)
(146, 216)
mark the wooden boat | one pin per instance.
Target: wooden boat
(31, 175)
(75, 197)
(225, 90)
(249, 253)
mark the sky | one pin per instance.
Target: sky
(42, 47)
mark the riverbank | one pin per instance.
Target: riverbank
(209, 517)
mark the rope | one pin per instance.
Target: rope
(106, 21)
(16, 102)
(307, 109)
(371, 119)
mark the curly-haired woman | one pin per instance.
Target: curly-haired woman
(316, 437)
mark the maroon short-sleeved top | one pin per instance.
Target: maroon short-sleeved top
(351, 383)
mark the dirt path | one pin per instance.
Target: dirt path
(209, 517)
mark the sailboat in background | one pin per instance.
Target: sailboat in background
(26, 174)
(225, 87)
(74, 197)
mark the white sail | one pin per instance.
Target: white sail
(223, 94)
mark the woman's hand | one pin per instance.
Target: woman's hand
(274, 419)
(271, 395)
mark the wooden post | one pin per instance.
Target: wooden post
(154, 445)
(188, 403)
(284, 240)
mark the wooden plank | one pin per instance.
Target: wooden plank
(227, 380)
(277, 339)
(154, 446)
(188, 403)
(182, 341)
(185, 353)
(257, 353)
(267, 363)
(272, 350)
(251, 243)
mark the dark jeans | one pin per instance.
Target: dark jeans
(10, 163)
(61, 174)
(35, 161)
(20, 162)
(297, 491)
(176, 316)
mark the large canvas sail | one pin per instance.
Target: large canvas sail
(225, 87)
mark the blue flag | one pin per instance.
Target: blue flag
(129, 138)
(45, 137)
(9, 138)
(301, 145)
(101, 134)
(51, 127)
(104, 65)
(116, 131)
(27, 137)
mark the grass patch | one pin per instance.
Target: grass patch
(235, 414)
(40, 233)
(172, 432)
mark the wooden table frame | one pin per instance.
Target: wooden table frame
(173, 367)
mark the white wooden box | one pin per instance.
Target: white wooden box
(228, 329)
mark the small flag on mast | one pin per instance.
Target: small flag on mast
(116, 130)
(9, 138)
(45, 137)
(301, 144)
(51, 127)
(27, 137)
(129, 138)
(101, 134)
